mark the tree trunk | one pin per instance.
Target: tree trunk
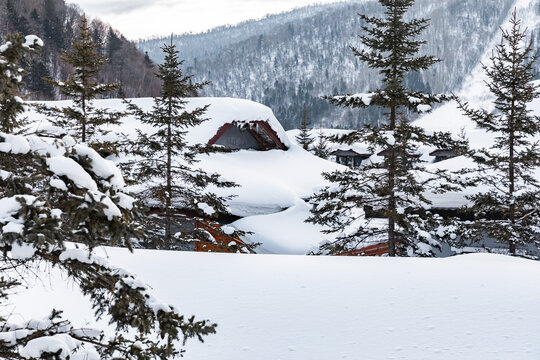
(83, 125)
(512, 185)
(168, 192)
(511, 160)
(391, 190)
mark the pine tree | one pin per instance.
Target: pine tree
(70, 193)
(304, 138)
(507, 167)
(321, 148)
(167, 161)
(15, 55)
(36, 83)
(47, 200)
(82, 120)
(392, 186)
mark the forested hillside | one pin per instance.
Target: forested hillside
(288, 61)
(56, 22)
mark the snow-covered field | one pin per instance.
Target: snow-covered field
(271, 307)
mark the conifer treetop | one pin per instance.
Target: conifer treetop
(392, 48)
(87, 62)
(15, 55)
(506, 169)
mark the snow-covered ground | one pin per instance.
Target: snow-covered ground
(271, 307)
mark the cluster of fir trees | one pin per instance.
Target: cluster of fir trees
(49, 207)
(162, 158)
(43, 207)
(319, 145)
(396, 188)
(57, 22)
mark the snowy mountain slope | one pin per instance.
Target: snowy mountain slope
(210, 43)
(292, 63)
(296, 307)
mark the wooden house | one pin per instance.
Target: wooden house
(237, 124)
(350, 157)
(255, 135)
(442, 154)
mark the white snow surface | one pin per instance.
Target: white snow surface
(104, 169)
(63, 166)
(272, 307)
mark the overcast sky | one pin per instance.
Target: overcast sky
(144, 18)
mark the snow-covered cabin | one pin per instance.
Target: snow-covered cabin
(350, 157)
(238, 124)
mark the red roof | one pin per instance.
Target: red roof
(264, 126)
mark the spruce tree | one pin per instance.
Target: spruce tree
(15, 56)
(55, 191)
(35, 81)
(507, 210)
(166, 163)
(321, 148)
(82, 120)
(304, 138)
(75, 195)
(395, 187)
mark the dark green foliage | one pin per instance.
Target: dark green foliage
(114, 44)
(321, 148)
(14, 58)
(56, 21)
(507, 167)
(52, 23)
(395, 186)
(304, 138)
(51, 215)
(18, 23)
(168, 162)
(36, 81)
(82, 120)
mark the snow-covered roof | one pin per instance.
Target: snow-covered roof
(220, 112)
(228, 110)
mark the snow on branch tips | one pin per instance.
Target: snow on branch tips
(71, 193)
(356, 100)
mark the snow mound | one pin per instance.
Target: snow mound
(302, 307)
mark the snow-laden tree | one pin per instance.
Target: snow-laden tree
(508, 209)
(55, 191)
(321, 147)
(15, 56)
(82, 119)
(396, 186)
(304, 137)
(165, 164)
